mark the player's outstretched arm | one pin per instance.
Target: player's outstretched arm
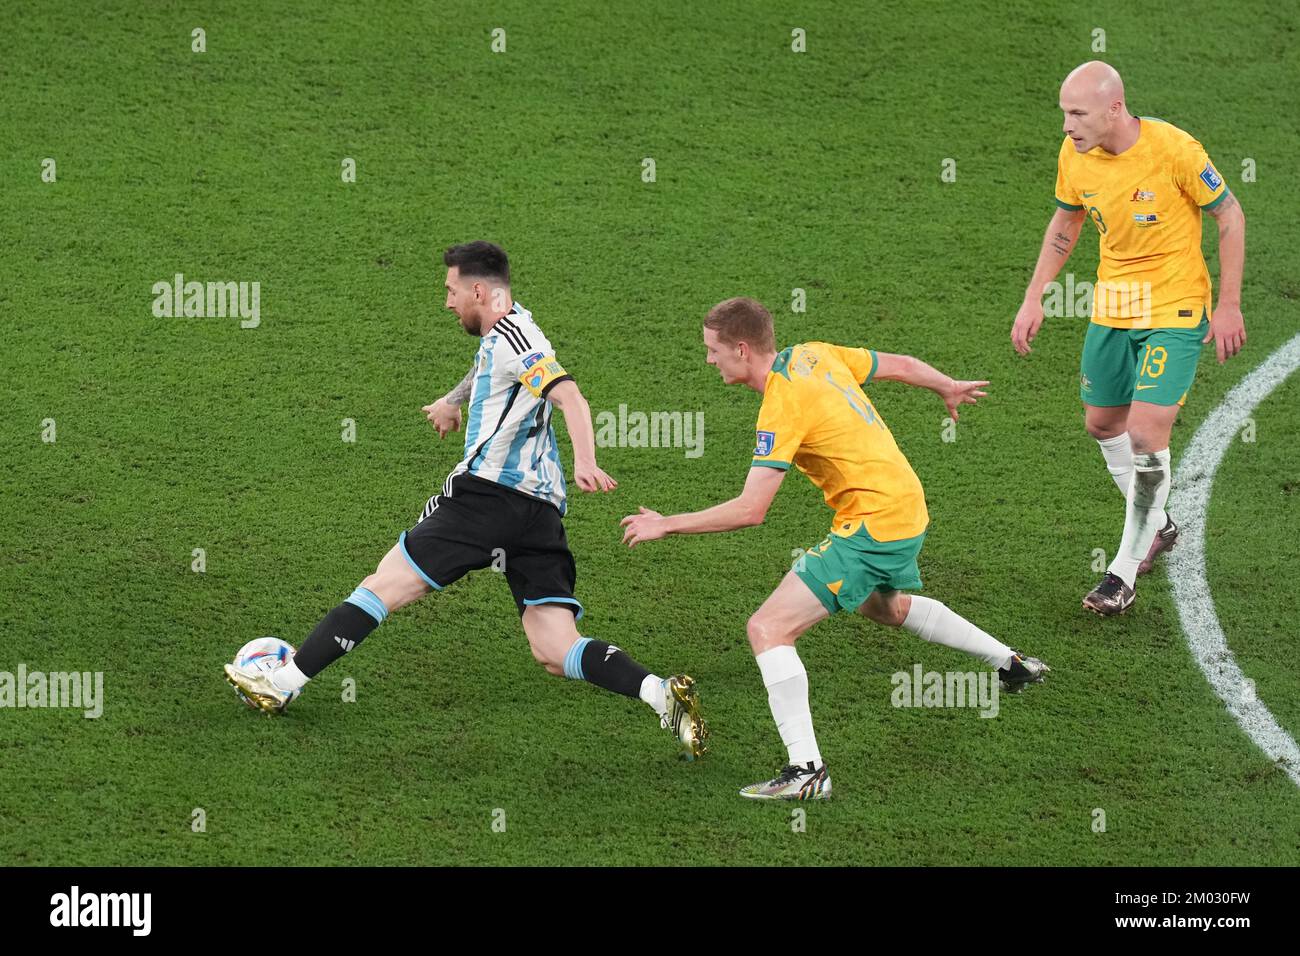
(445, 412)
(906, 368)
(1058, 243)
(577, 419)
(1227, 327)
(749, 508)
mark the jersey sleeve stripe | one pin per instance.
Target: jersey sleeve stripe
(780, 465)
(554, 382)
(1068, 207)
(1216, 200)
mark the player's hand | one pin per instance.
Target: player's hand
(1028, 320)
(961, 393)
(1228, 329)
(646, 526)
(590, 478)
(445, 417)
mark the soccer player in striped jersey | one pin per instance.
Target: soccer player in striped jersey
(501, 506)
(816, 416)
(1146, 185)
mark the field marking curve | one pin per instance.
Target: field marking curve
(1190, 499)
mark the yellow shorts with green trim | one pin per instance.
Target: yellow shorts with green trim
(843, 571)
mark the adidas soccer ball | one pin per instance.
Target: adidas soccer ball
(265, 654)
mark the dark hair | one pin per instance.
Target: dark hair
(479, 259)
(742, 320)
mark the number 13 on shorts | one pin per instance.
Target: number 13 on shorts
(1153, 361)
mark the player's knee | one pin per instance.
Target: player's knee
(552, 668)
(897, 615)
(891, 615)
(395, 593)
(545, 658)
(548, 648)
(888, 613)
(762, 632)
(1103, 428)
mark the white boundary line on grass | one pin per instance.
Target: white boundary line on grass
(1189, 500)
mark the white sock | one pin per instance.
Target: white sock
(935, 622)
(1118, 452)
(652, 692)
(288, 677)
(787, 694)
(1145, 514)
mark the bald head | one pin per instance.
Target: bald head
(1092, 99)
(1096, 81)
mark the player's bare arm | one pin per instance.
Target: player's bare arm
(1227, 327)
(746, 510)
(577, 419)
(1058, 242)
(912, 371)
(445, 412)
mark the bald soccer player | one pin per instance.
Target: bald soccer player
(1144, 183)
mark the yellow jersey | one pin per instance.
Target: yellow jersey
(1146, 204)
(816, 416)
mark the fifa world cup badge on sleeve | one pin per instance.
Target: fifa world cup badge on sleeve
(1210, 177)
(766, 441)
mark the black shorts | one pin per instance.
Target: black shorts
(479, 524)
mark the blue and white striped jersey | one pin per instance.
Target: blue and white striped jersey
(508, 434)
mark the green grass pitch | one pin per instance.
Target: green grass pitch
(774, 170)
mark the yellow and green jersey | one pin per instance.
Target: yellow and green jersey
(816, 416)
(1146, 204)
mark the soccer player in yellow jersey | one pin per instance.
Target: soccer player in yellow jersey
(816, 417)
(1145, 184)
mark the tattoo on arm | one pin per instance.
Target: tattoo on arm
(460, 394)
(1061, 243)
(1229, 202)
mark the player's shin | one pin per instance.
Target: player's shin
(607, 666)
(935, 622)
(786, 681)
(338, 632)
(1145, 514)
(1118, 452)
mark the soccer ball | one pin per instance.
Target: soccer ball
(264, 654)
